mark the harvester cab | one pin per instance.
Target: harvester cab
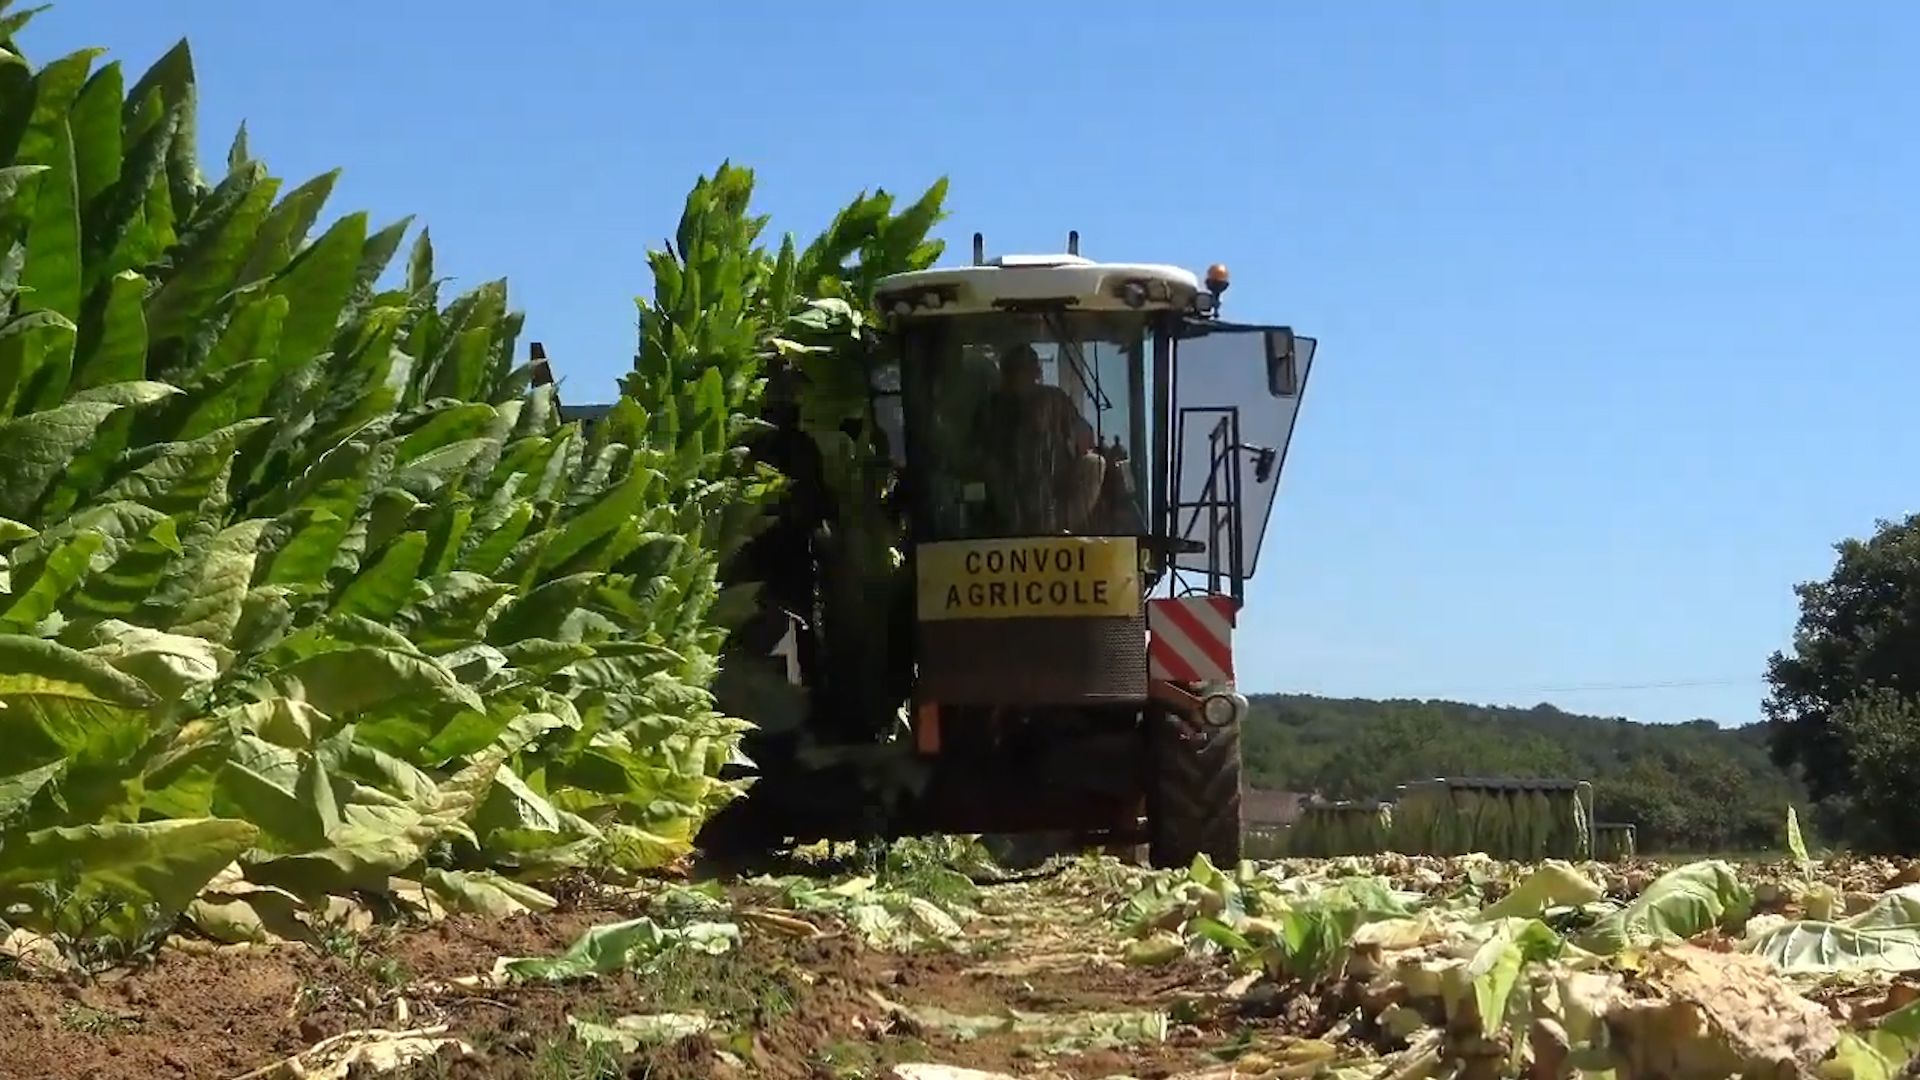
(1089, 454)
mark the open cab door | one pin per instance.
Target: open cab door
(1236, 396)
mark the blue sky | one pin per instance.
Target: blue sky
(1616, 303)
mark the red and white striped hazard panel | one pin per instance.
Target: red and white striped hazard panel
(1190, 638)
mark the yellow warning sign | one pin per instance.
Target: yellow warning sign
(1040, 577)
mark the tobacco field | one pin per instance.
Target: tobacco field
(924, 959)
(358, 712)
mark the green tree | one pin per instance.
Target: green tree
(1647, 796)
(1880, 729)
(1858, 634)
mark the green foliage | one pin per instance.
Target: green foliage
(1685, 787)
(1681, 903)
(733, 325)
(306, 588)
(1880, 730)
(605, 949)
(1841, 702)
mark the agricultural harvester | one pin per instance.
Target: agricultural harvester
(1086, 456)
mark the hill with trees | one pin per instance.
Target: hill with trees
(1687, 787)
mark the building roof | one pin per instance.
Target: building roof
(588, 413)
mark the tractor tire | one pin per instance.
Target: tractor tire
(1193, 804)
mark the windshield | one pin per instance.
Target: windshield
(1027, 425)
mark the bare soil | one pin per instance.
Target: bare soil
(792, 1008)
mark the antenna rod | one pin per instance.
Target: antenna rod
(1073, 242)
(979, 249)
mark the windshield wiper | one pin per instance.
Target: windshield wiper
(1070, 346)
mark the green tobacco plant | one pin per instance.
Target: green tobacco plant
(727, 317)
(830, 346)
(307, 588)
(299, 562)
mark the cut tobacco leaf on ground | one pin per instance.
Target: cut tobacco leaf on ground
(1555, 884)
(1717, 1010)
(615, 947)
(1823, 948)
(1050, 1033)
(1682, 902)
(362, 1053)
(884, 917)
(629, 1033)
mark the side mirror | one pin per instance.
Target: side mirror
(1264, 459)
(1283, 375)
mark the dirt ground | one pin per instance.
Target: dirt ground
(827, 1006)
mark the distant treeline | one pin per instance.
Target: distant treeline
(1687, 787)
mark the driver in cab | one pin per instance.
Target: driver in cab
(1049, 469)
